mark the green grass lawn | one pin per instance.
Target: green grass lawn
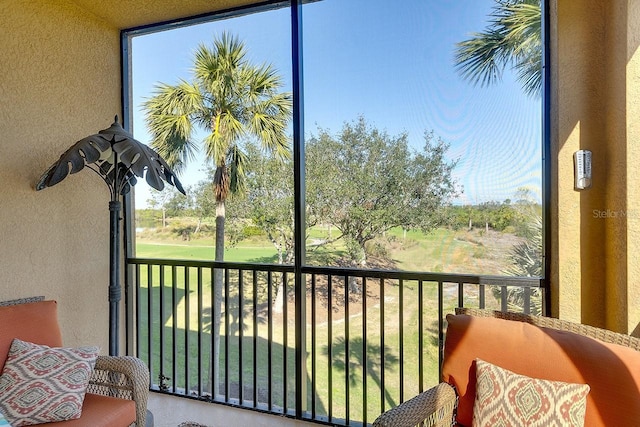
(256, 254)
(176, 327)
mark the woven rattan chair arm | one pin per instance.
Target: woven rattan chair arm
(435, 407)
(124, 377)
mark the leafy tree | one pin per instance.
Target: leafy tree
(229, 98)
(365, 182)
(159, 200)
(269, 202)
(177, 204)
(269, 205)
(512, 38)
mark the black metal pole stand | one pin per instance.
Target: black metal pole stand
(114, 277)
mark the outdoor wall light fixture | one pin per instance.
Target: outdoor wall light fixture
(118, 158)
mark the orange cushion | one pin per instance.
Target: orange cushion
(35, 322)
(612, 371)
(105, 411)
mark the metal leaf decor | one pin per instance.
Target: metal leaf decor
(118, 158)
(86, 151)
(140, 158)
(134, 159)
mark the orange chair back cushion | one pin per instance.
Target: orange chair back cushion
(35, 322)
(612, 371)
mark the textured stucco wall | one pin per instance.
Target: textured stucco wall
(595, 88)
(576, 124)
(632, 167)
(59, 81)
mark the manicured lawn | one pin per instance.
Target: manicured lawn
(198, 251)
(178, 329)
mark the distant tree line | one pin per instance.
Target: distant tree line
(508, 216)
(360, 182)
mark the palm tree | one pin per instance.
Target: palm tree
(512, 38)
(233, 100)
(526, 261)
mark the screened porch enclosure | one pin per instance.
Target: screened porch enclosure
(406, 191)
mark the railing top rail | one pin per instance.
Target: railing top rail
(428, 276)
(532, 282)
(213, 264)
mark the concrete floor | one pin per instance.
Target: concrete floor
(170, 411)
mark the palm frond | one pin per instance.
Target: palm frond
(216, 146)
(169, 116)
(481, 59)
(268, 122)
(215, 66)
(512, 38)
(237, 162)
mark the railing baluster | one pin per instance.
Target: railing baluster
(347, 290)
(440, 327)
(314, 392)
(365, 354)
(214, 345)
(137, 327)
(150, 320)
(240, 334)
(174, 329)
(187, 329)
(383, 385)
(420, 337)
(200, 297)
(161, 325)
(285, 343)
(255, 339)
(503, 298)
(401, 336)
(269, 340)
(226, 335)
(527, 300)
(330, 345)
(164, 342)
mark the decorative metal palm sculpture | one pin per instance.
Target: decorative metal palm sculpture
(118, 158)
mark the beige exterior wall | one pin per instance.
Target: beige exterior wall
(60, 80)
(595, 88)
(632, 165)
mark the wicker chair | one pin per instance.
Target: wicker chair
(437, 406)
(123, 377)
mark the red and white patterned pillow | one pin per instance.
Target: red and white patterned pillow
(40, 384)
(504, 398)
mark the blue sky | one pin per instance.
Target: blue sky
(390, 62)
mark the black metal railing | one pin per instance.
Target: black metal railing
(374, 338)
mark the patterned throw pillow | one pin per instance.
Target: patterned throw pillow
(504, 398)
(40, 384)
